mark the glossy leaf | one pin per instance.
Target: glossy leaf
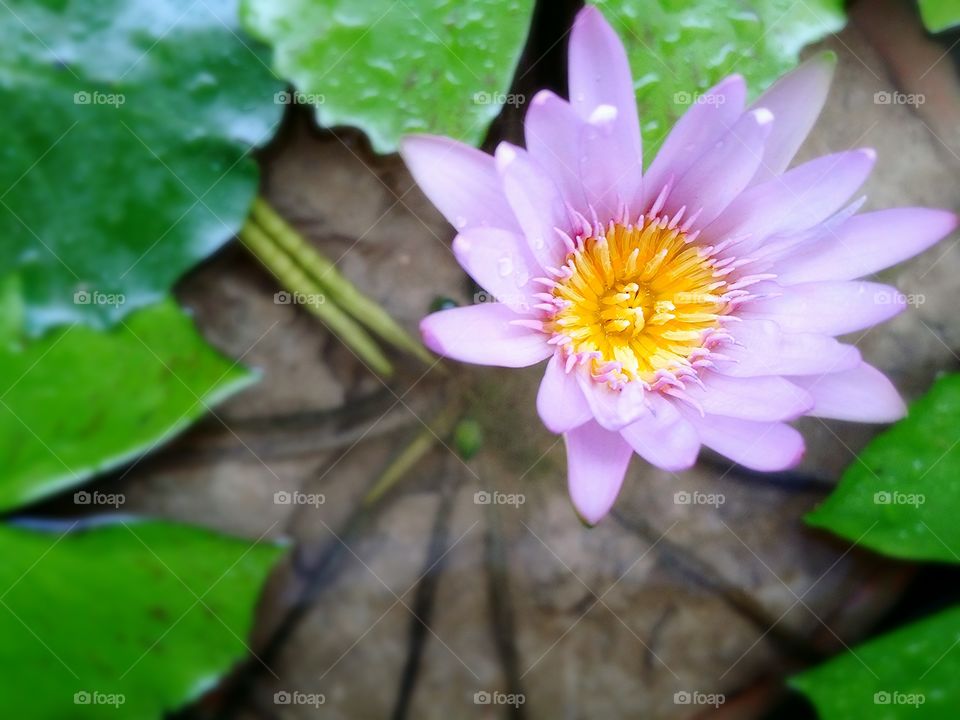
(900, 497)
(681, 48)
(122, 621)
(127, 126)
(938, 15)
(909, 674)
(80, 401)
(393, 68)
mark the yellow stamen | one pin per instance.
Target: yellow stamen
(638, 295)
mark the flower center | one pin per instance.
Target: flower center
(638, 301)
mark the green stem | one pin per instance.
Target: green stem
(340, 290)
(412, 454)
(293, 278)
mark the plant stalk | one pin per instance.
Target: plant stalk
(412, 454)
(293, 278)
(339, 289)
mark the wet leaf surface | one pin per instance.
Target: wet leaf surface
(677, 50)
(57, 429)
(909, 673)
(899, 497)
(127, 133)
(190, 595)
(395, 68)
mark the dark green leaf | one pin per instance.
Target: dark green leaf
(900, 497)
(80, 401)
(910, 674)
(122, 621)
(394, 67)
(126, 127)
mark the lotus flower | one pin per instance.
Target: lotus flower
(696, 303)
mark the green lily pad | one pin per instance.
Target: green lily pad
(126, 128)
(81, 401)
(939, 15)
(909, 674)
(125, 620)
(394, 67)
(681, 48)
(900, 497)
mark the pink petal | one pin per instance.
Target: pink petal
(829, 308)
(795, 101)
(596, 464)
(797, 200)
(766, 350)
(613, 409)
(560, 401)
(863, 394)
(599, 75)
(553, 134)
(773, 250)
(664, 437)
(536, 201)
(867, 243)
(760, 446)
(696, 132)
(724, 170)
(484, 334)
(501, 263)
(611, 176)
(762, 398)
(461, 181)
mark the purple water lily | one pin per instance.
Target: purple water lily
(694, 304)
